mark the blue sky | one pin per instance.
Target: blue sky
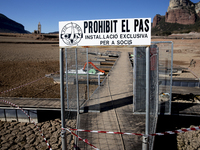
(49, 12)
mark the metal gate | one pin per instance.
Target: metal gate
(160, 70)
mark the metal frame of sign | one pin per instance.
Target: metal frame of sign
(135, 32)
(109, 32)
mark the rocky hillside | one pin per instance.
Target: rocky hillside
(183, 14)
(9, 26)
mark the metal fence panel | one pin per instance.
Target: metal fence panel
(160, 82)
(140, 86)
(80, 86)
(160, 68)
(165, 78)
(84, 88)
(164, 71)
(139, 80)
(154, 57)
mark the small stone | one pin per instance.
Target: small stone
(3, 132)
(14, 147)
(7, 144)
(42, 146)
(53, 140)
(7, 136)
(14, 124)
(26, 146)
(14, 132)
(32, 148)
(37, 141)
(29, 133)
(55, 146)
(47, 125)
(32, 126)
(4, 141)
(8, 131)
(22, 143)
(30, 139)
(20, 138)
(55, 134)
(4, 148)
(27, 129)
(6, 125)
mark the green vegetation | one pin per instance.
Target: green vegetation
(164, 29)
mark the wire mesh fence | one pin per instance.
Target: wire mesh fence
(85, 81)
(160, 82)
(140, 86)
(165, 78)
(154, 57)
(77, 59)
(110, 104)
(81, 81)
(139, 89)
(164, 70)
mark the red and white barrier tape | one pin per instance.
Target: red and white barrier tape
(84, 140)
(162, 133)
(26, 84)
(109, 132)
(176, 131)
(30, 119)
(21, 86)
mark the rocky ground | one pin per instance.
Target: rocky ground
(189, 140)
(22, 136)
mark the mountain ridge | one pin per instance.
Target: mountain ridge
(182, 16)
(8, 25)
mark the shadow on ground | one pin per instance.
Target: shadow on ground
(112, 104)
(170, 123)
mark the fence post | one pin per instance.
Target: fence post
(99, 83)
(88, 92)
(66, 78)
(145, 145)
(77, 86)
(134, 76)
(63, 132)
(172, 51)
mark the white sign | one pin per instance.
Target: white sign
(112, 32)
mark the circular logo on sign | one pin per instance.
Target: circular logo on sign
(71, 34)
